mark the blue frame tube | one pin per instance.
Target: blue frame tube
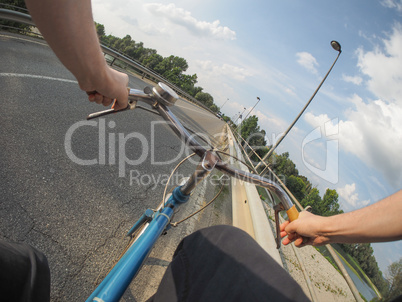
(116, 282)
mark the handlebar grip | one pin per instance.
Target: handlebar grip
(293, 214)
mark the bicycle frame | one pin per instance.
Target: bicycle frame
(116, 282)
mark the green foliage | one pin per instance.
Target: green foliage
(297, 186)
(313, 199)
(226, 118)
(14, 5)
(251, 132)
(255, 137)
(172, 67)
(394, 278)
(329, 205)
(362, 253)
(205, 98)
(282, 165)
(100, 29)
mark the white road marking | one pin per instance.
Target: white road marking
(192, 109)
(18, 38)
(33, 76)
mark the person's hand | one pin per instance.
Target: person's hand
(308, 229)
(110, 88)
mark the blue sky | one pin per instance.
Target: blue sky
(350, 137)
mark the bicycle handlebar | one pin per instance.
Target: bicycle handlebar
(161, 97)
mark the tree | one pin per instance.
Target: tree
(195, 90)
(313, 199)
(100, 30)
(170, 63)
(329, 205)
(297, 186)
(172, 67)
(282, 165)
(152, 60)
(251, 132)
(15, 5)
(255, 137)
(394, 278)
(204, 98)
(363, 254)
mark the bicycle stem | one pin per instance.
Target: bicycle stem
(203, 169)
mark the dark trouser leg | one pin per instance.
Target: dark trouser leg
(223, 263)
(24, 273)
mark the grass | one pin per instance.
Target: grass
(360, 273)
(368, 280)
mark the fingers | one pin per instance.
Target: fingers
(299, 241)
(119, 105)
(100, 99)
(111, 87)
(121, 93)
(291, 235)
(284, 225)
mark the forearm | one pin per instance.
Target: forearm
(68, 27)
(376, 223)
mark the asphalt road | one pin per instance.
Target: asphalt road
(73, 189)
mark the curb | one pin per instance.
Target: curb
(248, 211)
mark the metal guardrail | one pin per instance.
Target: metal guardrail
(143, 69)
(16, 16)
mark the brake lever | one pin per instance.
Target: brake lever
(131, 105)
(161, 94)
(277, 208)
(292, 215)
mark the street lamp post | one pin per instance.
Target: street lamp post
(240, 115)
(224, 103)
(258, 100)
(336, 46)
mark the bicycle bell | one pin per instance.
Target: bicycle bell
(164, 94)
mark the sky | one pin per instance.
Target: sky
(350, 137)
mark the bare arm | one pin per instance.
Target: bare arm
(68, 27)
(378, 222)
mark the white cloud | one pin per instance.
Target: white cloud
(290, 91)
(152, 30)
(355, 80)
(372, 132)
(393, 4)
(225, 70)
(349, 195)
(184, 18)
(383, 66)
(307, 60)
(328, 127)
